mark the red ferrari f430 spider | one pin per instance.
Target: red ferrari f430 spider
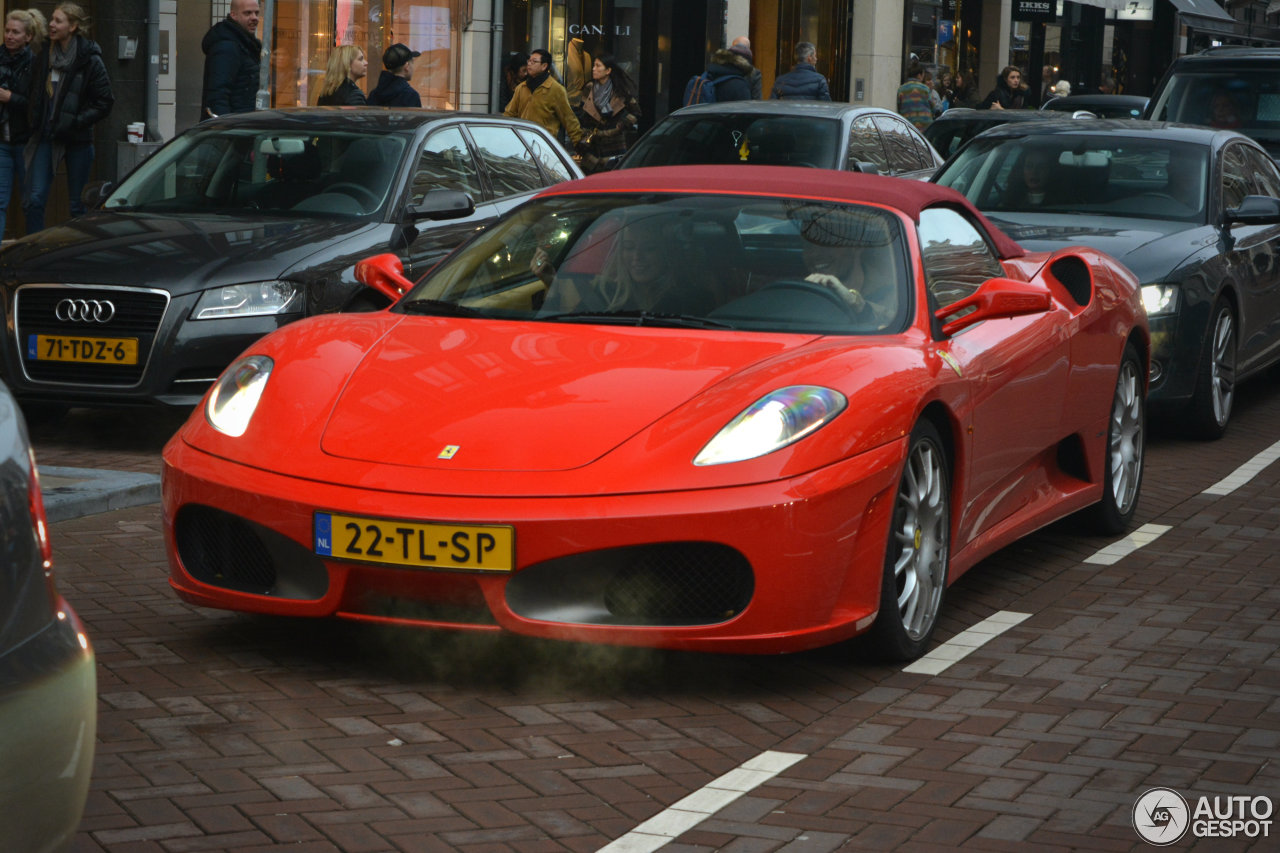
(693, 407)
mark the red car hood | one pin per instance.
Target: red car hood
(492, 396)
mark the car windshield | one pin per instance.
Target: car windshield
(724, 138)
(1128, 176)
(288, 173)
(761, 264)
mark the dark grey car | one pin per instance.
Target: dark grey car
(240, 225)
(48, 689)
(817, 134)
(1193, 212)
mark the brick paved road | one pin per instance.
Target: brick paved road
(224, 732)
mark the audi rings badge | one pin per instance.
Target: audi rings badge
(84, 311)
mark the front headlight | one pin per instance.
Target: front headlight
(248, 300)
(235, 395)
(1160, 299)
(772, 422)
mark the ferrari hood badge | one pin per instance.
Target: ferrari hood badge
(448, 452)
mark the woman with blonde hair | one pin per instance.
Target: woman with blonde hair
(70, 93)
(338, 88)
(24, 32)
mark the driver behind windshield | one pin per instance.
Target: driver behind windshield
(851, 256)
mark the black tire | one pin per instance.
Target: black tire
(1126, 448)
(1215, 391)
(918, 551)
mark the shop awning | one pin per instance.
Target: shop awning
(1109, 4)
(1205, 10)
(1273, 7)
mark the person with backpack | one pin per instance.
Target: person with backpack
(727, 78)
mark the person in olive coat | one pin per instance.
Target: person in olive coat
(232, 62)
(70, 93)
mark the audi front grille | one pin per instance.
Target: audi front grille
(87, 313)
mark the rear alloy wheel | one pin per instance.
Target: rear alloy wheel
(915, 563)
(1216, 379)
(1126, 448)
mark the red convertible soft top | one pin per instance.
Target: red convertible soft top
(820, 184)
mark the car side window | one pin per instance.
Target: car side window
(1235, 176)
(865, 145)
(551, 162)
(956, 257)
(1262, 170)
(509, 162)
(446, 163)
(904, 154)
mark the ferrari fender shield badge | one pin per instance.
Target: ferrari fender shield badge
(950, 359)
(448, 452)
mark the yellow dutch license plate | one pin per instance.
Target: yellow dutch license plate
(465, 547)
(91, 350)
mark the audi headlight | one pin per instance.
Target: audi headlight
(235, 395)
(1161, 299)
(772, 422)
(248, 300)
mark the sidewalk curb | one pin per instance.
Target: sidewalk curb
(73, 492)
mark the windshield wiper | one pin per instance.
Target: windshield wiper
(439, 308)
(640, 318)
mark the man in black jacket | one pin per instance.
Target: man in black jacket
(394, 88)
(803, 82)
(232, 58)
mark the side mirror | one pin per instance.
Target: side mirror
(95, 193)
(1254, 210)
(866, 167)
(996, 299)
(385, 274)
(442, 204)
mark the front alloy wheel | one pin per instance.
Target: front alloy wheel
(1126, 446)
(915, 565)
(1216, 380)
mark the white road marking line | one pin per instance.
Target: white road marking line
(962, 644)
(1117, 551)
(682, 816)
(1245, 472)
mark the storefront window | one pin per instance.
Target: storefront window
(577, 31)
(306, 30)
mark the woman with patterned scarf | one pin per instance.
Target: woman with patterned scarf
(24, 31)
(70, 92)
(610, 113)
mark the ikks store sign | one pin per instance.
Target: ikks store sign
(1035, 11)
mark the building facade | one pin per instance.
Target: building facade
(155, 60)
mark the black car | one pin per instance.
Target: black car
(48, 690)
(1100, 106)
(240, 225)
(817, 134)
(1233, 88)
(1193, 212)
(951, 130)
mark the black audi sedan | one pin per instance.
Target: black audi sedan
(241, 225)
(1194, 212)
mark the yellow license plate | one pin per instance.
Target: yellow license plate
(468, 547)
(91, 350)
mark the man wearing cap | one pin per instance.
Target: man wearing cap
(542, 100)
(393, 89)
(232, 56)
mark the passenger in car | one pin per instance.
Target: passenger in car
(858, 276)
(647, 270)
